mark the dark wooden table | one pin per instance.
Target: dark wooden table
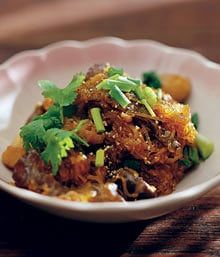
(192, 231)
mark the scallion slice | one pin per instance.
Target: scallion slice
(139, 92)
(136, 81)
(150, 96)
(125, 84)
(148, 107)
(119, 97)
(114, 70)
(100, 158)
(97, 118)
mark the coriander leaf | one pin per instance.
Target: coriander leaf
(195, 120)
(58, 142)
(62, 96)
(33, 134)
(55, 112)
(151, 79)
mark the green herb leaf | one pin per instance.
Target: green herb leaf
(58, 142)
(151, 79)
(33, 133)
(62, 96)
(195, 120)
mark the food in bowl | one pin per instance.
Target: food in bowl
(108, 137)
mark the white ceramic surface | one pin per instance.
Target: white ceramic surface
(58, 62)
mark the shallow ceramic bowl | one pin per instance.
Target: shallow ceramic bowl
(58, 62)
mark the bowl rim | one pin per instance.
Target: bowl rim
(186, 195)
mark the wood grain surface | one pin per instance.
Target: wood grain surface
(193, 231)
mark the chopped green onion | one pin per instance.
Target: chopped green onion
(97, 118)
(124, 83)
(78, 139)
(100, 158)
(151, 79)
(136, 81)
(114, 70)
(195, 120)
(102, 84)
(119, 97)
(139, 92)
(150, 96)
(148, 107)
(205, 146)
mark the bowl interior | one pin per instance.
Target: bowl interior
(19, 92)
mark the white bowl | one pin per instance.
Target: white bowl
(58, 62)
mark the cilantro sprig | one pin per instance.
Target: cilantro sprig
(44, 133)
(62, 96)
(58, 142)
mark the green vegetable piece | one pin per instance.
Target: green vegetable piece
(123, 83)
(33, 133)
(150, 96)
(195, 120)
(151, 79)
(78, 139)
(100, 158)
(62, 96)
(136, 81)
(55, 112)
(139, 91)
(58, 142)
(114, 70)
(187, 163)
(205, 146)
(148, 107)
(193, 155)
(119, 97)
(133, 164)
(97, 119)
